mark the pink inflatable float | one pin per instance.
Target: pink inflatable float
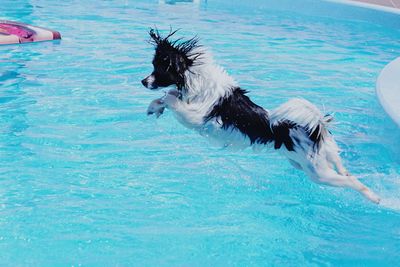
(12, 32)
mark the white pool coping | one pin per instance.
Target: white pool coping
(388, 89)
(368, 5)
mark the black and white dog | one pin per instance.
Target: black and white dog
(207, 99)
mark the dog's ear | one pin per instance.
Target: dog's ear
(180, 64)
(155, 36)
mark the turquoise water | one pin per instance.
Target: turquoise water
(87, 179)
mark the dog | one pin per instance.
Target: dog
(205, 98)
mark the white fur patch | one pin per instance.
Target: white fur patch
(205, 84)
(150, 80)
(301, 112)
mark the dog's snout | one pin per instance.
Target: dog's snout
(144, 82)
(149, 82)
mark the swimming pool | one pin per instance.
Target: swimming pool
(86, 178)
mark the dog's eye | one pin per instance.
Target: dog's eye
(165, 59)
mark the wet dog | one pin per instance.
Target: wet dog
(205, 98)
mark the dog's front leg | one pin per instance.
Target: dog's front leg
(171, 99)
(157, 106)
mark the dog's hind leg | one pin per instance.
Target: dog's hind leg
(333, 157)
(330, 177)
(363, 189)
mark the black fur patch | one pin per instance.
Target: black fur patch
(316, 137)
(281, 135)
(237, 111)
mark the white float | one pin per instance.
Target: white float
(388, 89)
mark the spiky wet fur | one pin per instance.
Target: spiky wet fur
(210, 101)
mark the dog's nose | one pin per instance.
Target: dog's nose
(145, 83)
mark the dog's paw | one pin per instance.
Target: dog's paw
(373, 197)
(157, 107)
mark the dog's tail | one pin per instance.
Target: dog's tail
(301, 112)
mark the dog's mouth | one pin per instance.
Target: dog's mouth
(153, 87)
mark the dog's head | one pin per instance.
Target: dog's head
(171, 60)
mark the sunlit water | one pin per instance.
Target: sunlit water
(86, 178)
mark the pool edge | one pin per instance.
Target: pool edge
(386, 9)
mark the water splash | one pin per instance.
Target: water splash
(392, 203)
